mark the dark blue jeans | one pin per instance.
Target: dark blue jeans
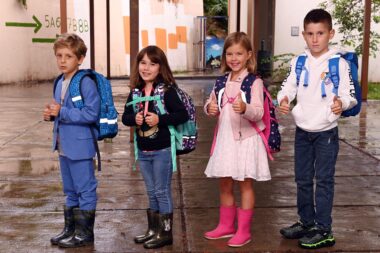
(156, 169)
(315, 157)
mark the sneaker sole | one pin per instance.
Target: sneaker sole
(220, 237)
(297, 236)
(321, 244)
(239, 245)
(292, 237)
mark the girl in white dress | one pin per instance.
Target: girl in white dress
(238, 152)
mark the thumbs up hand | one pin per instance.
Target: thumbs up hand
(336, 107)
(284, 105)
(212, 107)
(239, 106)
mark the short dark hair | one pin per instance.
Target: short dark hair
(318, 16)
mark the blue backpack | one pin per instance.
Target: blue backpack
(107, 122)
(183, 137)
(270, 135)
(352, 60)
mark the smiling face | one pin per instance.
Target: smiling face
(148, 70)
(236, 58)
(67, 62)
(317, 37)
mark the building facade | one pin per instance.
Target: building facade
(27, 34)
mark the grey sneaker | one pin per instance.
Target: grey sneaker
(317, 238)
(295, 231)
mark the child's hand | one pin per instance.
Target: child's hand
(284, 105)
(212, 107)
(46, 113)
(239, 106)
(336, 108)
(54, 108)
(151, 119)
(139, 118)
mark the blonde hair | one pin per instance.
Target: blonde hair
(242, 39)
(73, 42)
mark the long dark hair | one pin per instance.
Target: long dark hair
(156, 55)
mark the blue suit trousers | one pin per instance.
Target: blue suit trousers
(79, 182)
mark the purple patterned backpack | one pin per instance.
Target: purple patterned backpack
(183, 136)
(271, 134)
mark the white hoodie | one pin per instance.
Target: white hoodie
(312, 112)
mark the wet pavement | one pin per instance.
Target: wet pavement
(31, 198)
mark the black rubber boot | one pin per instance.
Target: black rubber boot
(164, 234)
(84, 230)
(152, 227)
(69, 228)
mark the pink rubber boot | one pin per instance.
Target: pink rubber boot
(226, 226)
(243, 234)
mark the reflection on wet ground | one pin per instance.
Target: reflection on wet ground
(31, 195)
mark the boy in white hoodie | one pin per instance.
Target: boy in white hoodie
(316, 140)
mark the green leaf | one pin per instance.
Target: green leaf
(348, 15)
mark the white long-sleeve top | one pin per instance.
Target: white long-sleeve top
(312, 112)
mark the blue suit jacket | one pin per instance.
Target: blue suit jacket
(73, 124)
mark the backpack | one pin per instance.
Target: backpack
(270, 135)
(352, 60)
(107, 122)
(183, 137)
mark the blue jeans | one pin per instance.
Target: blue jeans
(156, 169)
(79, 182)
(315, 156)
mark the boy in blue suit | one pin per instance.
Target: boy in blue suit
(74, 142)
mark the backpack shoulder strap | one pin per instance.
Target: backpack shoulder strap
(334, 71)
(159, 99)
(56, 83)
(246, 86)
(75, 89)
(220, 84)
(300, 64)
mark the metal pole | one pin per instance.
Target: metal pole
(134, 17)
(134, 37)
(63, 13)
(256, 26)
(238, 16)
(365, 58)
(108, 41)
(203, 31)
(92, 34)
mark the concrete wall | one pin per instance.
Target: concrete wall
(21, 58)
(168, 24)
(290, 14)
(171, 27)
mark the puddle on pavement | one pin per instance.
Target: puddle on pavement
(28, 190)
(28, 167)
